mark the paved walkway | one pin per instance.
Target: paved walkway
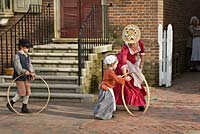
(174, 110)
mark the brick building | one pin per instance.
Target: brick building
(68, 16)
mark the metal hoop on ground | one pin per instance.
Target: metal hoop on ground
(148, 95)
(8, 97)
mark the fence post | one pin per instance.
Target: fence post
(160, 43)
(165, 41)
(169, 54)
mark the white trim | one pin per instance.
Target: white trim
(142, 53)
(57, 19)
(131, 52)
(103, 2)
(124, 66)
(165, 41)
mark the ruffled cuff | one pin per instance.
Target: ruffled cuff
(124, 66)
(142, 53)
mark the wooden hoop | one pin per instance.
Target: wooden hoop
(8, 97)
(148, 95)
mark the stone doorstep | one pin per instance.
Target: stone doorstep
(46, 77)
(54, 54)
(54, 62)
(43, 69)
(85, 98)
(65, 40)
(54, 95)
(57, 46)
(34, 85)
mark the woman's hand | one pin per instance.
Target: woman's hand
(141, 65)
(128, 78)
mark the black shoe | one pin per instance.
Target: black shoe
(113, 116)
(193, 69)
(9, 107)
(141, 108)
(25, 109)
(98, 118)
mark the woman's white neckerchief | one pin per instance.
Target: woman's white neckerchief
(131, 52)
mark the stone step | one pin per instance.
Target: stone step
(55, 88)
(56, 71)
(64, 97)
(58, 48)
(48, 79)
(54, 56)
(55, 63)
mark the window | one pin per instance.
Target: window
(6, 8)
(1, 6)
(7, 4)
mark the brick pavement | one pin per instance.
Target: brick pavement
(174, 110)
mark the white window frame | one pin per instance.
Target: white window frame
(6, 12)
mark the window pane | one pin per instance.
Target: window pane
(7, 4)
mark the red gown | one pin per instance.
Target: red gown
(133, 95)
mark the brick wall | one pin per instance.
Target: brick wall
(178, 13)
(147, 14)
(143, 13)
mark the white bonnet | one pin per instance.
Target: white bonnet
(110, 59)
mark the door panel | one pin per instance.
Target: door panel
(70, 18)
(72, 15)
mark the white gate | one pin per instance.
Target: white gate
(165, 41)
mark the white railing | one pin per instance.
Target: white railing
(165, 41)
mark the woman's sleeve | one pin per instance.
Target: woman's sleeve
(123, 56)
(142, 51)
(191, 31)
(119, 80)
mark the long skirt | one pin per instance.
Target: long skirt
(133, 95)
(195, 49)
(134, 91)
(106, 105)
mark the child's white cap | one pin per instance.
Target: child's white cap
(110, 59)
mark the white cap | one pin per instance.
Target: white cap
(110, 59)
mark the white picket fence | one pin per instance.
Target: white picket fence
(165, 41)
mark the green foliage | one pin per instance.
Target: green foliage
(94, 84)
(116, 35)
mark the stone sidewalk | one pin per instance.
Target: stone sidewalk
(174, 110)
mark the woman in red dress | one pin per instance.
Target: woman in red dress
(131, 59)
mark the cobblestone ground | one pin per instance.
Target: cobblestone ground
(174, 110)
